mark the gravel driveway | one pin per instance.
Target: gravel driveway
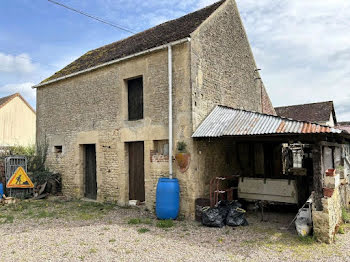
(69, 236)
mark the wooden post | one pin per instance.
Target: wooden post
(317, 157)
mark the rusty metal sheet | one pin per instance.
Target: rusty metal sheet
(225, 121)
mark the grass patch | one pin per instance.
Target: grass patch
(112, 240)
(143, 230)
(45, 214)
(137, 221)
(93, 251)
(165, 223)
(345, 215)
(6, 219)
(308, 240)
(341, 230)
(134, 221)
(56, 208)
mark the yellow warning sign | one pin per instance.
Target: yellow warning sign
(20, 179)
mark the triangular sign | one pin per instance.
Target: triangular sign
(20, 179)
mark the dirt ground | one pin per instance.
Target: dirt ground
(59, 230)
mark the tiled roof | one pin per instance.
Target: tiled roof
(159, 35)
(315, 112)
(344, 126)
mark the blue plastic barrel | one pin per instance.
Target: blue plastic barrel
(1, 190)
(167, 198)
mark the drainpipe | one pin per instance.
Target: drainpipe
(170, 81)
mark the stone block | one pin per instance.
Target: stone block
(332, 181)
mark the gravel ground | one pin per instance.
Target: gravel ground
(111, 238)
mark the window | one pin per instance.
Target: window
(161, 147)
(135, 99)
(58, 149)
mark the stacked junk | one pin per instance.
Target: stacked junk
(223, 210)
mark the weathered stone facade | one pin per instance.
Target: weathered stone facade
(215, 67)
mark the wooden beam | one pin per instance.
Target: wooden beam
(330, 144)
(317, 157)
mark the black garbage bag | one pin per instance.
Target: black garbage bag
(236, 217)
(224, 207)
(212, 217)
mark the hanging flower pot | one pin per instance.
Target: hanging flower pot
(182, 157)
(330, 172)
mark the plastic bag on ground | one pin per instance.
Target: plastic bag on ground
(236, 217)
(212, 217)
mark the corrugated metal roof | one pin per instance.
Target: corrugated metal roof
(225, 121)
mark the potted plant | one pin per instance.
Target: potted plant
(182, 157)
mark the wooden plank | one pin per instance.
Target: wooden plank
(318, 171)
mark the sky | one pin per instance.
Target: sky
(302, 47)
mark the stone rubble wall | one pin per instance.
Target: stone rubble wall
(327, 221)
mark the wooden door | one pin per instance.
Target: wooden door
(136, 171)
(90, 172)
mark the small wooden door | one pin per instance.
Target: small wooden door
(136, 171)
(90, 172)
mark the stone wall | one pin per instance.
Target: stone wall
(326, 221)
(223, 67)
(92, 109)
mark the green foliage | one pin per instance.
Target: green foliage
(134, 221)
(28, 151)
(165, 223)
(345, 215)
(308, 240)
(341, 230)
(6, 219)
(181, 147)
(143, 230)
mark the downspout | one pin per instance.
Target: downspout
(170, 81)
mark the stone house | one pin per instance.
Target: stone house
(105, 116)
(322, 113)
(17, 121)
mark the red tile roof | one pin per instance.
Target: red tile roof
(314, 112)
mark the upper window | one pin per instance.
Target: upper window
(135, 99)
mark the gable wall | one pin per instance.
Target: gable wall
(17, 124)
(223, 67)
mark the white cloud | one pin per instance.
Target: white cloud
(203, 3)
(303, 49)
(16, 64)
(25, 89)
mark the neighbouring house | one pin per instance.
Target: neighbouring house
(106, 120)
(344, 126)
(322, 113)
(17, 122)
